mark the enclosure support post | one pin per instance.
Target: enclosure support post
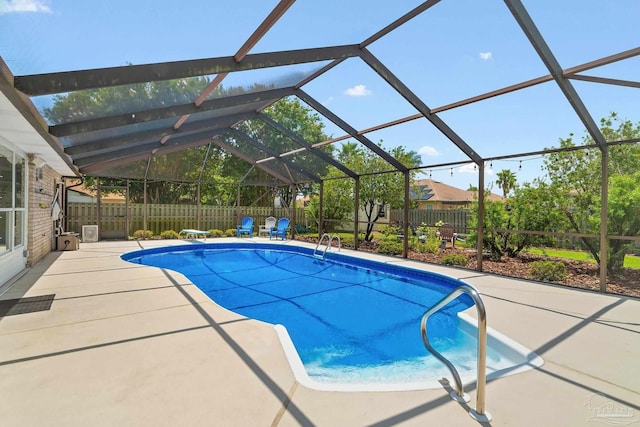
(98, 207)
(480, 214)
(604, 207)
(405, 217)
(294, 195)
(320, 212)
(126, 210)
(273, 197)
(356, 216)
(144, 202)
(238, 213)
(198, 206)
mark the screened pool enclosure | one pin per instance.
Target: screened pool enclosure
(468, 88)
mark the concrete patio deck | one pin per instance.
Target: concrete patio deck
(129, 345)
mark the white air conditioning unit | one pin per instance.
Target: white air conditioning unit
(89, 233)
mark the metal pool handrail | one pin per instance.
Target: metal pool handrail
(479, 413)
(329, 240)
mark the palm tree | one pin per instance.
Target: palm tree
(506, 181)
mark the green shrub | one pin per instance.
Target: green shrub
(169, 234)
(426, 246)
(142, 234)
(389, 230)
(389, 247)
(216, 233)
(230, 232)
(454, 259)
(346, 241)
(548, 271)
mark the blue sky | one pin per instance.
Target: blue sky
(455, 50)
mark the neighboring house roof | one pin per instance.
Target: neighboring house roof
(435, 191)
(75, 196)
(86, 194)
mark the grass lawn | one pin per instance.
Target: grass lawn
(630, 261)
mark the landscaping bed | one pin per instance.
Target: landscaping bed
(580, 274)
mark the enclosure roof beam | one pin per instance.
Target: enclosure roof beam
(151, 147)
(417, 103)
(293, 136)
(234, 151)
(521, 15)
(318, 73)
(262, 29)
(604, 80)
(350, 130)
(102, 145)
(70, 81)
(400, 21)
(130, 118)
(112, 163)
(569, 73)
(269, 151)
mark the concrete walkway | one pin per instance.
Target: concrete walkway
(129, 345)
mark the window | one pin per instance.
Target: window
(12, 200)
(6, 178)
(18, 239)
(4, 232)
(20, 182)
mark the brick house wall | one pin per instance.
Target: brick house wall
(41, 237)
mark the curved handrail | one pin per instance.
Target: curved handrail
(335, 236)
(329, 240)
(320, 241)
(479, 413)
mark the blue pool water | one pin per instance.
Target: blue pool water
(350, 320)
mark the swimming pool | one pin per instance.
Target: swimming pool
(346, 323)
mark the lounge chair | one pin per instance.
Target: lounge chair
(280, 229)
(447, 233)
(245, 227)
(269, 223)
(193, 234)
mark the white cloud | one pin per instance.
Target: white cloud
(19, 6)
(428, 151)
(486, 56)
(469, 168)
(358, 90)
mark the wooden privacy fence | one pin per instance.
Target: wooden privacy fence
(457, 217)
(114, 217)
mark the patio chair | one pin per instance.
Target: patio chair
(246, 227)
(447, 233)
(281, 229)
(269, 223)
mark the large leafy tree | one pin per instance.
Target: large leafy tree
(172, 176)
(304, 123)
(382, 190)
(575, 185)
(528, 209)
(377, 191)
(337, 203)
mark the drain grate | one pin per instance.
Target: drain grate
(11, 307)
